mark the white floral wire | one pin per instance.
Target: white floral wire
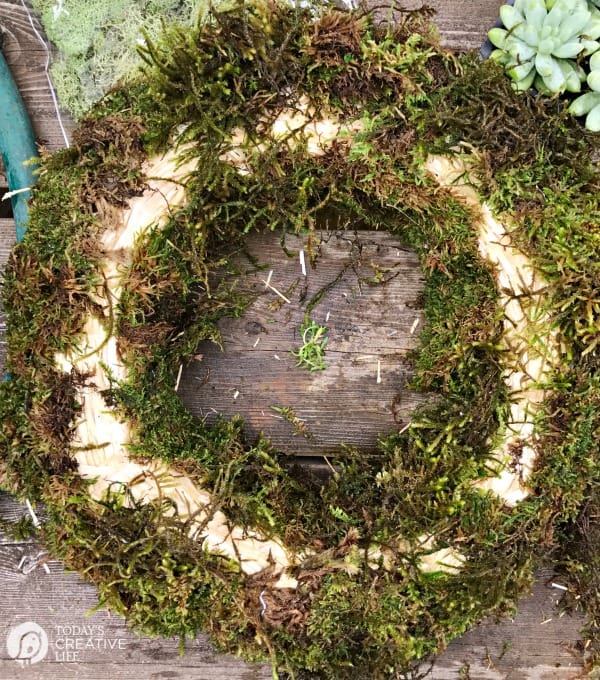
(44, 44)
(28, 563)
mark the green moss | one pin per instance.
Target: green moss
(243, 66)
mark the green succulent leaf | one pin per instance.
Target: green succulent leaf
(584, 104)
(592, 30)
(590, 46)
(551, 73)
(592, 121)
(545, 65)
(573, 25)
(497, 37)
(546, 45)
(525, 83)
(501, 57)
(510, 16)
(520, 51)
(568, 50)
(521, 71)
(593, 80)
(556, 15)
(542, 43)
(535, 11)
(573, 74)
(526, 32)
(540, 86)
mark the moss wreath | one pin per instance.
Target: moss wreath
(260, 118)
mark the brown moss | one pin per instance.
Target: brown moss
(395, 141)
(510, 128)
(112, 146)
(442, 69)
(278, 608)
(336, 46)
(53, 416)
(142, 336)
(333, 35)
(37, 281)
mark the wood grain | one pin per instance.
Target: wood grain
(362, 392)
(365, 320)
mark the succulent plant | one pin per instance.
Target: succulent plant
(588, 104)
(541, 41)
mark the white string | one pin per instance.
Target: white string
(14, 192)
(262, 603)
(34, 517)
(43, 43)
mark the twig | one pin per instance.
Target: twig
(178, 377)
(277, 292)
(34, 517)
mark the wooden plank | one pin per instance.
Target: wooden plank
(463, 24)
(371, 328)
(83, 646)
(541, 642)
(7, 239)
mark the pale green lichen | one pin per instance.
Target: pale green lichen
(97, 41)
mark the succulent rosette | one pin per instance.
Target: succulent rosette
(542, 41)
(588, 104)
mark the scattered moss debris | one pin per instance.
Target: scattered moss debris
(311, 352)
(350, 615)
(288, 413)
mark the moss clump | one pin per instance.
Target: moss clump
(351, 614)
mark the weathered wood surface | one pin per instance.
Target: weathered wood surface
(539, 644)
(368, 287)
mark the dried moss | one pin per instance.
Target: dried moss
(348, 617)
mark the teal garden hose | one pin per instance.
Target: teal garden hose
(17, 145)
